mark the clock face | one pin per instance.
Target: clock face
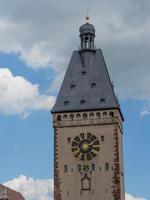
(85, 146)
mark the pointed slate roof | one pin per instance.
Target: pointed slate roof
(87, 85)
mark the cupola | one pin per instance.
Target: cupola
(87, 35)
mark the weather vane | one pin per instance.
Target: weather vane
(87, 17)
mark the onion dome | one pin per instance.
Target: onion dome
(87, 28)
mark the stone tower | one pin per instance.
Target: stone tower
(87, 120)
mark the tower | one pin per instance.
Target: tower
(87, 120)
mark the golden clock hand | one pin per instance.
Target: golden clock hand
(92, 142)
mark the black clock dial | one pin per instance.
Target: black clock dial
(85, 146)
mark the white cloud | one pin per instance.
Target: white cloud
(36, 57)
(130, 197)
(19, 96)
(146, 111)
(44, 33)
(39, 189)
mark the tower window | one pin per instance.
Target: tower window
(72, 86)
(93, 167)
(102, 138)
(71, 116)
(104, 114)
(59, 117)
(66, 103)
(69, 139)
(93, 85)
(98, 115)
(65, 168)
(91, 115)
(111, 114)
(85, 116)
(86, 183)
(79, 168)
(83, 73)
(82, 102)
(78, 116)
(65, 116)
(107, 166)
(102, 100)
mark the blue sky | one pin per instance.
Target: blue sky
(36, 42)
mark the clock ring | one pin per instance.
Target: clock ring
(85, 146)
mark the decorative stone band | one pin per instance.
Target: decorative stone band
(83, 122)
(116, 178)
(57, 192)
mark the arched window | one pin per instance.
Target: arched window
(104, 114)
(71, 116)
(111, 114)
(78, 116)
(59, 118)
(69, 139)
(91, 115)
(85, 116)
(98, 115)
(65, 116)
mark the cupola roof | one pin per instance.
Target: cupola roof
(87, 28)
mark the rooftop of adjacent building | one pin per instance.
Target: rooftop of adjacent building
(7, 193)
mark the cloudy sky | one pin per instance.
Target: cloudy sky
(37, 38)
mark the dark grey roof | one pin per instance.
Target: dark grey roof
(86, 85)
(87, 28)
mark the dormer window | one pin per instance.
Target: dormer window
(82, 102)
(102, 100)
(66, 103)
(72, 86)
(83, 73)
(93, 85)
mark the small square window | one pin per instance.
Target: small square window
(66, 103)
(83, 73)
(93, 85)
(72, 86)
(82, 102)
(102, 100)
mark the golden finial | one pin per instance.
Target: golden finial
(87, 17)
